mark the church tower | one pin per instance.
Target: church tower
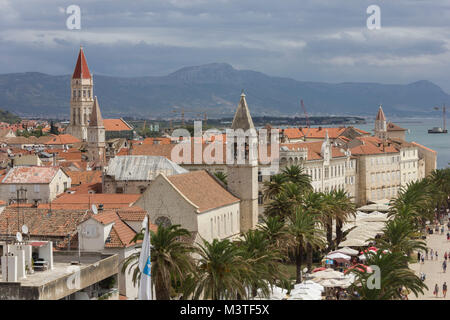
(96, 135)
(243, 175)
(380, 125)
(82, 98)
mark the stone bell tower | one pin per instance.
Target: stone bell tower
(243, 175)
(82, 98)
(380, 125)
(96, 135)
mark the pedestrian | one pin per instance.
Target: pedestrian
(448, 236)
(442, 230)
(445, 256)
(431, 254)
(418, 256)
(444, 289)
(436, 254)
(444, 266)
(436, 290)
(423, 259)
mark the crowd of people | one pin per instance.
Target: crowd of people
(434, 255)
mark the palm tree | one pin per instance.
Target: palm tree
(274, 229)
(170, 257)
(393, 275)
(439, 181)
(296, 175)
(221, 176)
(414, 201)
(273, 187)
(327, 217)
(303, 230)
(400, 235)
(222, 272)
(280, 206)
(343, 209)
(263, 260)
(313, 203)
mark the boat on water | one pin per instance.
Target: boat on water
(439, 129)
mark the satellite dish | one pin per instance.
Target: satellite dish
(25, 229)
(305, 270)
(94, 209)
(19, 237)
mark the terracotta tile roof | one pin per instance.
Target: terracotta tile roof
(134, 213)
(30, 174)
(162, 140)
(202, 190)
(314, 149)
(373, 145)
(70, 156)
(116, 125)
(42, 222)
(62, 139)
(380, 114)
(87, 188)
(81, 68)
(293, 133)
(422, 146)
(393, 127)
(109, 200)
(84, 177)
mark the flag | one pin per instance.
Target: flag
(145, 285)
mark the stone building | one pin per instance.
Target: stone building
(195, 200)
(133, 174)
(33, 184)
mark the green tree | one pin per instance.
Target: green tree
(393, 276)
(170, 257)
(222, 272)
(221, 176)
(303, 228)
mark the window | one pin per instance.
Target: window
(12, 188)
(119, 190)
(259, 176)
(212, 229)
(36, 188)
(84, 93)
(232, 229)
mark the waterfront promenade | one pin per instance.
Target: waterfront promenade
(433, 268)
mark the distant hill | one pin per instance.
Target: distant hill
(6, 116)
(215, 88)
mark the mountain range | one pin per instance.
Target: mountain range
(215, 88)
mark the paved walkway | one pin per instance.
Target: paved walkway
(433, 268)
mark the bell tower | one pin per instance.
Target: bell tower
(380, 125)
(96, 135)
(81, 98)
(243, 172)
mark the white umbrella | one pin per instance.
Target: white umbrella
(312, 284)
(348, 251)
(327, 274)
(338, 255)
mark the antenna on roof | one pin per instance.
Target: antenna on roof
(94, 209)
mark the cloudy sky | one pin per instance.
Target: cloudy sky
(314, 40)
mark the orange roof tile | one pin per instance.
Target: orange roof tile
(202, 190)
(109, 200)
(116, 125)
(30, 174)
(84, 177)
(62, 139)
